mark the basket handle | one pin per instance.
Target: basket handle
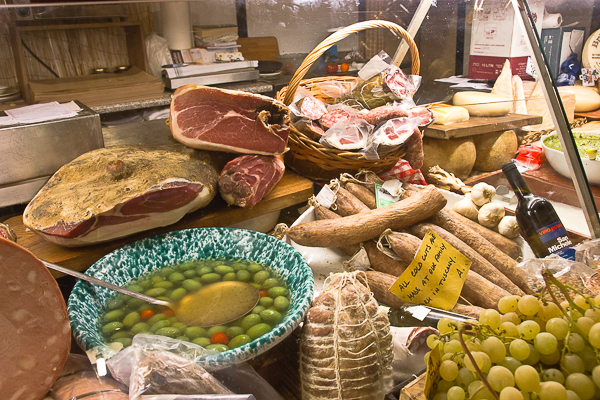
(341, 34)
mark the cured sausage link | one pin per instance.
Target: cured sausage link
(370, 224)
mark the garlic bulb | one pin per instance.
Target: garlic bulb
(466, 208)
(490, 215)
(482, 193)
(508, 227)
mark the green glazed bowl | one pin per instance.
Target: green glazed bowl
(127, 263)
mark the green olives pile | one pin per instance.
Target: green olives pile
(125, 317)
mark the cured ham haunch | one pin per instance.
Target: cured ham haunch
(246, 180)
(118, 191)
(228, 120)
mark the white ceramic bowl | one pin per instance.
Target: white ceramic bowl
(559, 163)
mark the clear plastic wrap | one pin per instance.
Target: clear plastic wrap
(588, 253)
(388, 136)
(157, 49)
(161, 365)
(350, 134)
(574, 274)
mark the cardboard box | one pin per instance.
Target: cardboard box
(497, 36)
(559, 43)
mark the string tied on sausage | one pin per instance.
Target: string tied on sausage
(279, 231)
(334, 185)
(386, 250)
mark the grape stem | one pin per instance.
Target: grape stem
(462, 330)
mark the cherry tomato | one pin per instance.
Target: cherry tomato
(263, 293)
(344, 67)
(331, 68)
(168, 312)
(146, 314)
(219, 338)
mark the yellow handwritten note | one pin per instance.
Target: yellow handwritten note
(436, 275)
(433, 373)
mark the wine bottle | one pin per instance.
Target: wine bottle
(417, 315)
(538, 222)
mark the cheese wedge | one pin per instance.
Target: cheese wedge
(503, 86)
(586, 98)
(444, 114)
(482, 104)
(519, 95)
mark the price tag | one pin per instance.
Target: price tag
(436, 275)
(530, 68)
(326, 197)
(383, 198)
(433, 373)
(419, 312)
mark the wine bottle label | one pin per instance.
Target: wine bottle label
(555, 238)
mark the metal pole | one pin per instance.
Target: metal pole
(559, 118)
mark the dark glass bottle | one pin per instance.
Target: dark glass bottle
(538, 222)
(416, 315)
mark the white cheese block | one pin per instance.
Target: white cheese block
(444, 114)
(482, 104)
(586, 98)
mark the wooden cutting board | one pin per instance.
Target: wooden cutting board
(480, 125)
(259, 48)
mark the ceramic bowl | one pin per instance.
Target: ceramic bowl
(127, 263)
(559, 163)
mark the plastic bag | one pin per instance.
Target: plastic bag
(588, 253)
(348, 134)
(571, 273)
(388, 136)
(160, 365)
(157, 49)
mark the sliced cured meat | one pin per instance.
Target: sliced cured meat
(394, 132)
(420, 115)
(312, 108)
(246, 180)
(228, 120)
(333, 116)
(310, 129)
(118, 191)
(397, 82)
(414, 150)
(383, 113)
(35, 335)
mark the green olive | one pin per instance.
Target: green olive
(176, 277)
(172, 320)
(159, 325)
(249, 321)
(140, 327)
(164, 284)
(238, 341)
(261, 276)
(243, 275)
(115, 315)
(125, 341)
(271, 317)
(136, 288)
(258, 330)
(277, 291)
(191, 285)
(111, 328)
(218, 328)
(204, 270)
(218, 347)
(239, 266)
(229, 277)
(201, 341)
(178, 294)
(210, 278)
(223, 269)
(157, 291)
(281, 303)
(190, 273)
(255, 268)
(233, 331)
(257, 309)
(266, 301)
(269, 283)
(168, 331)
(188, 265)
(119, 334)
(131, 319)
(134, 303)
(156, 279)
(256, 285)
(180, 325)
(194, 332)
(117, 302)
(165, 272)
(146, 284)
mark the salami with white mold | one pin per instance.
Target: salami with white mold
(334, 116)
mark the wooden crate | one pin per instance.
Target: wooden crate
(136, 49)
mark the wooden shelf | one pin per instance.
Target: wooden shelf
(292, 189)
(480, 125)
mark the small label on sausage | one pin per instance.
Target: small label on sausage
(326, 197)
(436, 275)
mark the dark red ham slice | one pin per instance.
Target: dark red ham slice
(246, 180)
(35, 335)
(228, 120)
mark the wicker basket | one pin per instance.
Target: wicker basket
(313, 160)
